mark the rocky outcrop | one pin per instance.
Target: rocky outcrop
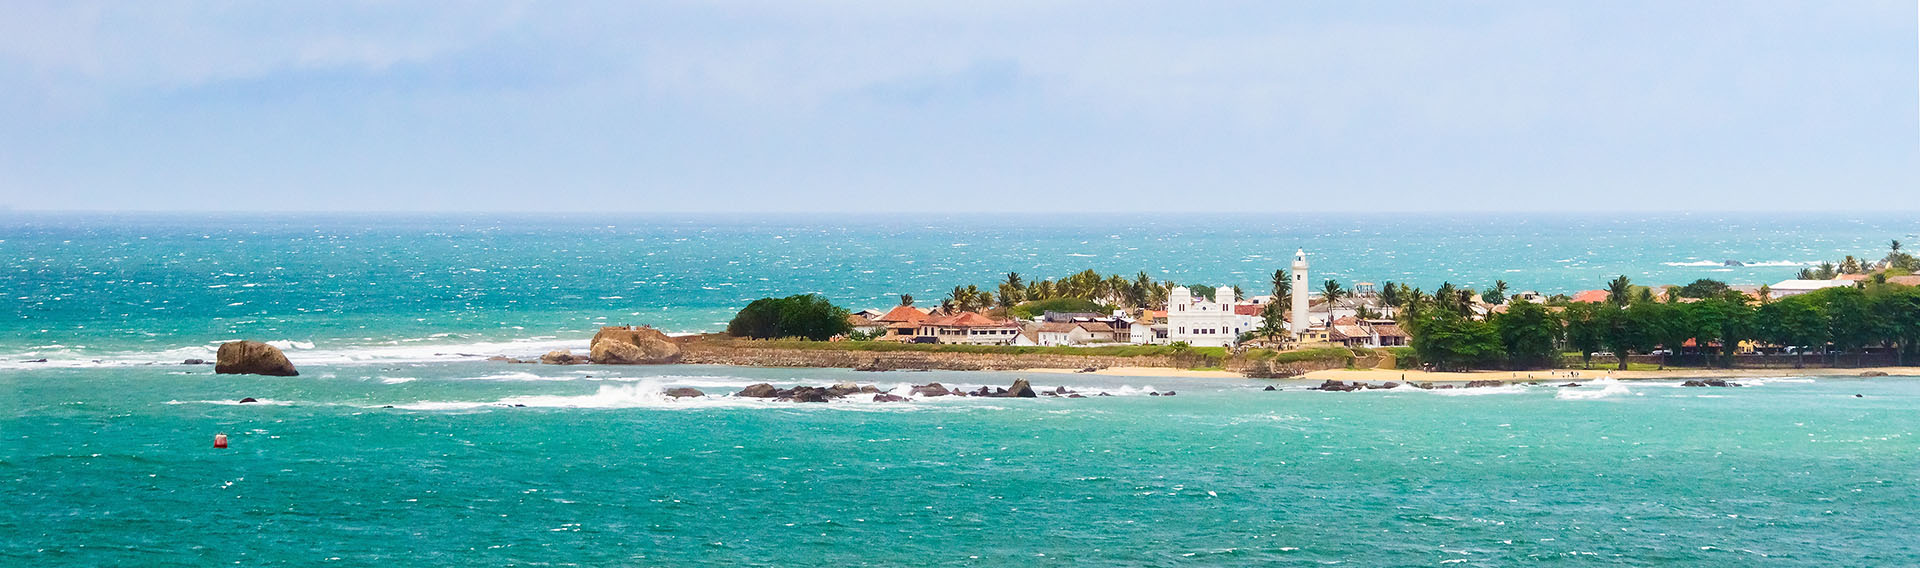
(884, 397)
(1020, 389)
(633, 346)
(684, 392)
(1483, 384)
(1337, 386)
(1874, 374)
(252, 358)
(561, 357)
(1708, 383)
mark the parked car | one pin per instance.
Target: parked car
(1661, 352)
(1597, 354)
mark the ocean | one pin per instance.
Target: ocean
(398, 444)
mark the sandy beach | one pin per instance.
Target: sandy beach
(1370, 375)
(1145, 372)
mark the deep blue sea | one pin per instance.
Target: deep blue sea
(397, 445)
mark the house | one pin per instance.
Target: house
(1114, 327)
(1075, 333)
(1353, 332)
(969, 328)
(1203, 322)
(1797, 287)
(863, 324)
(902, 322)
(1529, 296)
(1904, 280)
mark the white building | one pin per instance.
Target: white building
(1203, 322)
(1300, 288)
(1798, 287)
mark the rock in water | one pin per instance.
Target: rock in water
(253, 358)
(647, 352)
(1269, 387)
(931, 389)
(884, 397)
(1020, 389)
(561, 357)
(194, 362)
(762, 390)
(643, 346)
(685, 392)
(1874, 374)
(248, 400)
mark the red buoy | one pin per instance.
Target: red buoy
(220, 440)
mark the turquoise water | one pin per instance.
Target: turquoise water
(397, 445)
(117, 468)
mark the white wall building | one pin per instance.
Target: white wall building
(1202, 322)
(1797, 287)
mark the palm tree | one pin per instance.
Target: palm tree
(1332, 291)
(1497, 295)
(906, 299)
(1282, 286)
(1619, 289)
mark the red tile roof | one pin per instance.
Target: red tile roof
(902, 314)
(1247, 310)
(968, 319)
(1592, 296)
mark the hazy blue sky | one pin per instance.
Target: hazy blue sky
(970, 106)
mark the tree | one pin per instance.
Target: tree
(906, 299)
(1282, 287)
(1332, 291)
(1202, 291)
(1793, 322)
(807, 315)
(1391, 295)
(1667, 325)
(1851, 320)
(1704, 288)
(1620, 291)
(1496, 295)
(1626, 331)
(1273, 321)
(1902, 308)
(1012, 291)
(1530, 335)
(1454, 343)
(1586, 328)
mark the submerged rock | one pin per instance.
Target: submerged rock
(1269, 388)
(684, 392)
(253, 358)
(805, 394)
(1708, 383)
(194, 362)
(1483, 384)
(561, 357)
(884, 397)
(248, 400)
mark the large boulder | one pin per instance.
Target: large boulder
(931, 389)
(634, 350)
(762, 390)
(561, 357)
(1020, 389)
(684, 392)
(252, 358)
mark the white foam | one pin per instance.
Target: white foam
(1480, 391)
(397, 380)
(1609, 388)
(300, 352)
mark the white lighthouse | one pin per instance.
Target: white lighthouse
(1300, 293)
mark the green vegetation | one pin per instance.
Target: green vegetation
(807, 315)
(1832, 321)
(1027, 310)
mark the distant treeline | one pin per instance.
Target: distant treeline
(1873, 314)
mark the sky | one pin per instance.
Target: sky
(975, 107)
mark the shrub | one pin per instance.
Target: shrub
(806, 315)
